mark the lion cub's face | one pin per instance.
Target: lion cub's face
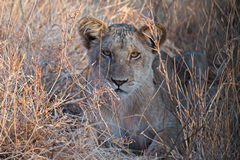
(120, 54)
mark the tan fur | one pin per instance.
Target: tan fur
(144, 113)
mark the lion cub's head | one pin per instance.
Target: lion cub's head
(121, 54)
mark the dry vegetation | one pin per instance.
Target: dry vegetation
(43, 70)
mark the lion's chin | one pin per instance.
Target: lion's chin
(121, 93)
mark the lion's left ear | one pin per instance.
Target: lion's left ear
(154, 35)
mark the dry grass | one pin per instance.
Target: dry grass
(42, 68)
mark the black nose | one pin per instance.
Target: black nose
(119, 82)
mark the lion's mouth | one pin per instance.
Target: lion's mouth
(118, 90)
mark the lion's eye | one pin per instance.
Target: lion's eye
(135, 55)
(106, 53)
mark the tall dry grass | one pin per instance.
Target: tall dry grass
(43, 111)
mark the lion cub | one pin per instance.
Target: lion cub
(126, 58)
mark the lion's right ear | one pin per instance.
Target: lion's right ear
(90, 30)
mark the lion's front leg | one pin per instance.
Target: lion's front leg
(162, 142)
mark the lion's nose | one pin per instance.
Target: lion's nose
(119, 82)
